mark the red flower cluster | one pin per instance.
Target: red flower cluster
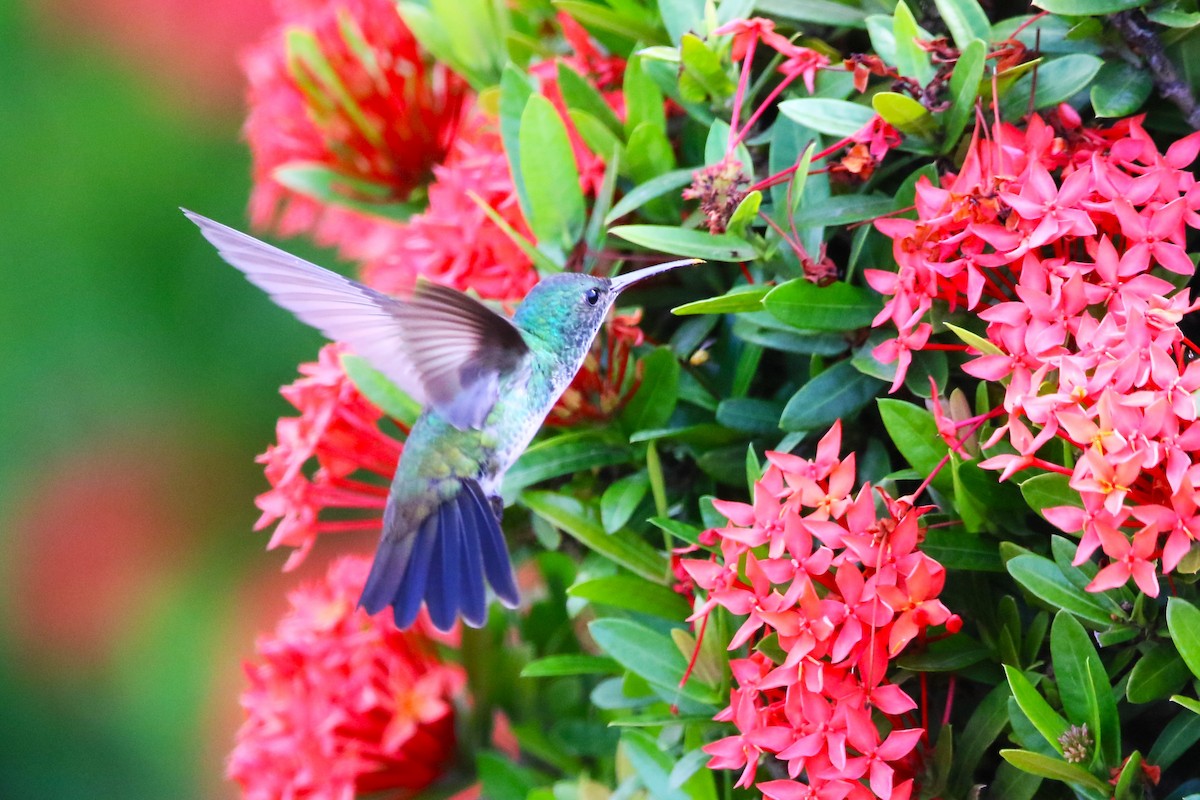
(339, 429)
(1057, 236)
(600, 387)
(833, 591)
(343, 85)
(341, 703)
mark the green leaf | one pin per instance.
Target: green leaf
(946, 655)
(579, 94)
(956, 550)
(1088, 8)
(746, 297)
(1191, 704)
(1183, 621)
(1057, 81)
(911, 60)
(1179, 735)
(821, 12)
(563, 454)
(652, 765)
(1073, 656)
(1035, 708)
(1049, 490)
(836, 307)
(964, 88)
(1120, 89)
(1158, 674)
(987, 722)
(750, 414)
(645, 192)
(790, 340)
(839, 118)
(681, 16)
(595, 134)
(1042, 578)
(800, 177)
(655, 400)
(621, 547)
(1057, 769)
(621, 499)
(745, 214)
(836, 393)
(905, 114)
(915, 435)
(384, 394)
(570, 664)
(681, 242)
(843, 209)
(503, 779)
(329, 186)
(633, 594)
(556, 207)
(680, 530)
(705, 67)
(515, 90)
(966, 21)
(633, 27)
(650, 655)
(643, 99)
(649, 153)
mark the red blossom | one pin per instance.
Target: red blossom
(343, 86)
(1059, 238)
(341, 703)
(605, 382)
(842, 590)
(338, 429)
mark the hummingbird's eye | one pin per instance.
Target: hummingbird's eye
(592, 296)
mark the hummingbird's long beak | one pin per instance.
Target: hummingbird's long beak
(622, 282)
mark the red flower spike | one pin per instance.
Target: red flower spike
(341, 703)
(877, 592)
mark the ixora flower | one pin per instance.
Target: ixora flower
(1063, 241)
(832, 591)
(342, 85)
(340, 431)
(341, 703)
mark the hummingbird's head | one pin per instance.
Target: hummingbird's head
(570, 307)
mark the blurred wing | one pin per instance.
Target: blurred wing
(441, 347)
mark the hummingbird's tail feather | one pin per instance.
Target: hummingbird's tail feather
(444, 564)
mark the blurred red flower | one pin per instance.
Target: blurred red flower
(341, 703)
(343, 86)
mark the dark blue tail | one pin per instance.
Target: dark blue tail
(443, 563)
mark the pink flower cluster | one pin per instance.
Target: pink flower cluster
(1060, 238)
(830, 592)
(342, 704)
(338, 429)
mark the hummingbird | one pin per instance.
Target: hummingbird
(485, 382)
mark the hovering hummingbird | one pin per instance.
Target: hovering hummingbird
(486, 383)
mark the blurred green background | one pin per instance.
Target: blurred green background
(139, 378)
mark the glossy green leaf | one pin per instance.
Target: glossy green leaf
(631, 26)
(1042, 578)
(556, 207)
(681, 16)
(1057, 81)
(955, 549)
(515, 90)
(374, 386)
(1048, 722)
(651, 655)
(1183, 621)
(838, 118)
(621, 499)
(1088, 8)
(836, 307)
(945, 655)
(843, 209)
(1179, 736)
(987, 722)
(652, 765)
(788, 340)
(503, 779)
(821, 12)
(836, 393)
(565, 454)
(643, 99)
(904, 114)
(645, 192)
(680, 530)
(1120, 89)
(1081, 692)
(705, 67)
(1049, 490)
(1190, 703)
(1158, 674)
(911, 59)
(750, 414)
(579, 94)
(621, 547)
(655, 400)
(1055, 768)
(966, 21)
(570, 664)
(633, 594)
(682, 242)
(964, 89)
(745, 297)
(595, 134)
(915, 435)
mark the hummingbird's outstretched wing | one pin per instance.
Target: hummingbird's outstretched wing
(443, 348)
(444, 564)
